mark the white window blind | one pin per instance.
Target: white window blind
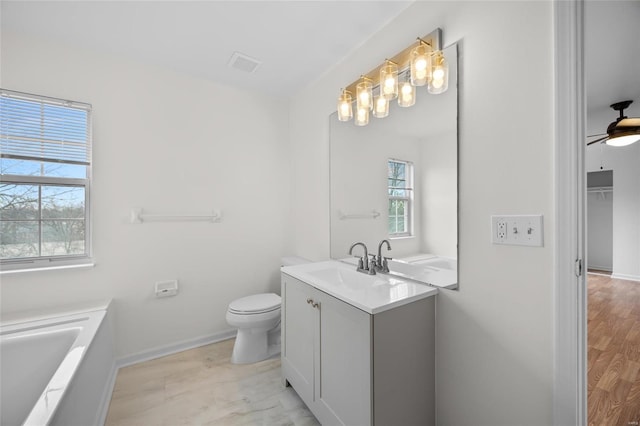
(44, 129)
(45, 182)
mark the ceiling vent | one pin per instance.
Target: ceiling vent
(242, 62)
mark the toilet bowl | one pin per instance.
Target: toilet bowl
(257, 318)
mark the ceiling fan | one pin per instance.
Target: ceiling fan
(622, 132)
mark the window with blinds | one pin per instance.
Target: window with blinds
(45, 170)
(400, 191)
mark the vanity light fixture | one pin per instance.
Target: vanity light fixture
(422, 62)
(345, 109)
(380, 107)
(362, 116)
(440, 74)
(389, 80)
(407, 94)
(364, 94)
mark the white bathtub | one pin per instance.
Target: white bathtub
(56, 370)
(437, 271)
(438, 262)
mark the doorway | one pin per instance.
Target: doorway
(575, 36)
(612, 204)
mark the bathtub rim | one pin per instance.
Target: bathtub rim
(89, 318)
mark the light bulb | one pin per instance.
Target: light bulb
(345, 110)
(362, 116)
(407, 95)
(389, 79)
(623, 140)
(440, 75)
(381, 108)
(420, 64)
(364, 94)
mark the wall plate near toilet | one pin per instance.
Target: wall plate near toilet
(166, 288)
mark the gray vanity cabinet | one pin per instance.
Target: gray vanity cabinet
(354, 368)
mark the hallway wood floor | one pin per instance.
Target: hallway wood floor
(613, 351)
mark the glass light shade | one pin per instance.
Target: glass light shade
(420, 65)
(623, 140)
(364, 95)
(362, 116)
(439, 82)
(407, 95)
(389, 81)
(380, 107)
(345, 109)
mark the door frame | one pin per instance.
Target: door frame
(570, 307)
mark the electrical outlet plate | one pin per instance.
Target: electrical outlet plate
(519, 230)
(166, 288)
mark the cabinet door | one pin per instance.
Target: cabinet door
(299, 332)
(343, 375)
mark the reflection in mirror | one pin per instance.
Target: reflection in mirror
(397, 179)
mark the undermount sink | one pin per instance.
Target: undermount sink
(349, 278)
(371, 293)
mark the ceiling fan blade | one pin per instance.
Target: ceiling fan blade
(598, 140)
(598, 134)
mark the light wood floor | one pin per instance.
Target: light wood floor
(613, 351)
(201, 387)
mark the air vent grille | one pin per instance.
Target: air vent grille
(243, 62)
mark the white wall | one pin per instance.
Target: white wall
(626, 186)
(494, 336)
(170, 144)
(600, 230)
(440, 194)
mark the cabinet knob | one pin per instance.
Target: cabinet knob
(309, 301)
(316, 305)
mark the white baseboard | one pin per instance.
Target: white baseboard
(625, 277)
(174, 348)
(600, 268)
(103, 409)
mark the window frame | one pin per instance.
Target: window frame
(54, 261)
(409, 179)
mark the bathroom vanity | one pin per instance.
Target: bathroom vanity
(358, 348)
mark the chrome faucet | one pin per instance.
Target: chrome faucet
(363, 263)
(381, 264)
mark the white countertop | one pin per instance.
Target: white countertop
(435, 277)
(370, 293)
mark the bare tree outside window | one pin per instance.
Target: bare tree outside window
(44, 171)
(400, 178)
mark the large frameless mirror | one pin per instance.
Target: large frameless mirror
(396, 179)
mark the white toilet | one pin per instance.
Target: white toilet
(257, 318)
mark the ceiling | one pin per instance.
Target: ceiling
(612, 55)
(296, 41)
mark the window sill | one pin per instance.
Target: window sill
(402, 237)
(48, 268)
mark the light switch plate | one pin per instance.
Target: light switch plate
(518, 230)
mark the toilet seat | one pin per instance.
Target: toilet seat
(255, 304)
